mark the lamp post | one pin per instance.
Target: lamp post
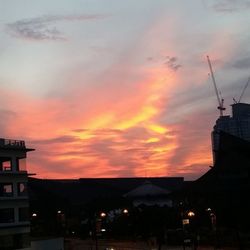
(213, 220)
(61, 222)
(98, 226)
(195, 235)
(186, 223)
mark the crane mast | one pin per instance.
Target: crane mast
(244, 89)
(220, 101)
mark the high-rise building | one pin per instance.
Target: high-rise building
(238, 125)
(14, 206)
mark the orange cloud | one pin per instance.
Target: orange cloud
(113, 138)
(132, 119)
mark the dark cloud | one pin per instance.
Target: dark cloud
(231, 5)
(79, 130)
(60, 139)
(6, 113)
(42, 28)
(243, 63)
(172, 63)
(106, 131)
(71, 153)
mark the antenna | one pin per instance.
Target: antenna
(220, 100)
(244, 89)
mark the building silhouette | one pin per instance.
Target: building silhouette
(222, 193)
(14, 206)
(238, 125)
(150, 195)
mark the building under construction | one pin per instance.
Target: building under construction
(238, 125)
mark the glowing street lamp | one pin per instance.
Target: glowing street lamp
(102, 214)
(191, 214)
(212, 217)
(125, 211)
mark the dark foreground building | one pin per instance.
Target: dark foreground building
(220, 198)
(71, 207)
(238, 124)
(14, 204)
(214, 209)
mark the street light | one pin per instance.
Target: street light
(212, 217)
(191, 214)
(102, 214)
(125, 211)
(98, 227)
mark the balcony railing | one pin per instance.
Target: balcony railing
(12, 143)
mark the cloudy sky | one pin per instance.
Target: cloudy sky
(112, 88)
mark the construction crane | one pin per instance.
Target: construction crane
(220, 100)
(244, 89)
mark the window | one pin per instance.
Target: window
(7, 215)
(21, 164)
(6, 190)
(24, 214)
(22, 189)
(5, 164)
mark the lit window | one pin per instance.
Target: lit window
(21, 164)
(5, 164)
(22, 189)
(6, 189)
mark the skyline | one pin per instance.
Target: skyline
(119, 89)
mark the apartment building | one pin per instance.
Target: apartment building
(14, 205)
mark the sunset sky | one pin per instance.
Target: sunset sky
(112, 88)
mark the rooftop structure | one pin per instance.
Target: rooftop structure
(9, 143)
(150, 195)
